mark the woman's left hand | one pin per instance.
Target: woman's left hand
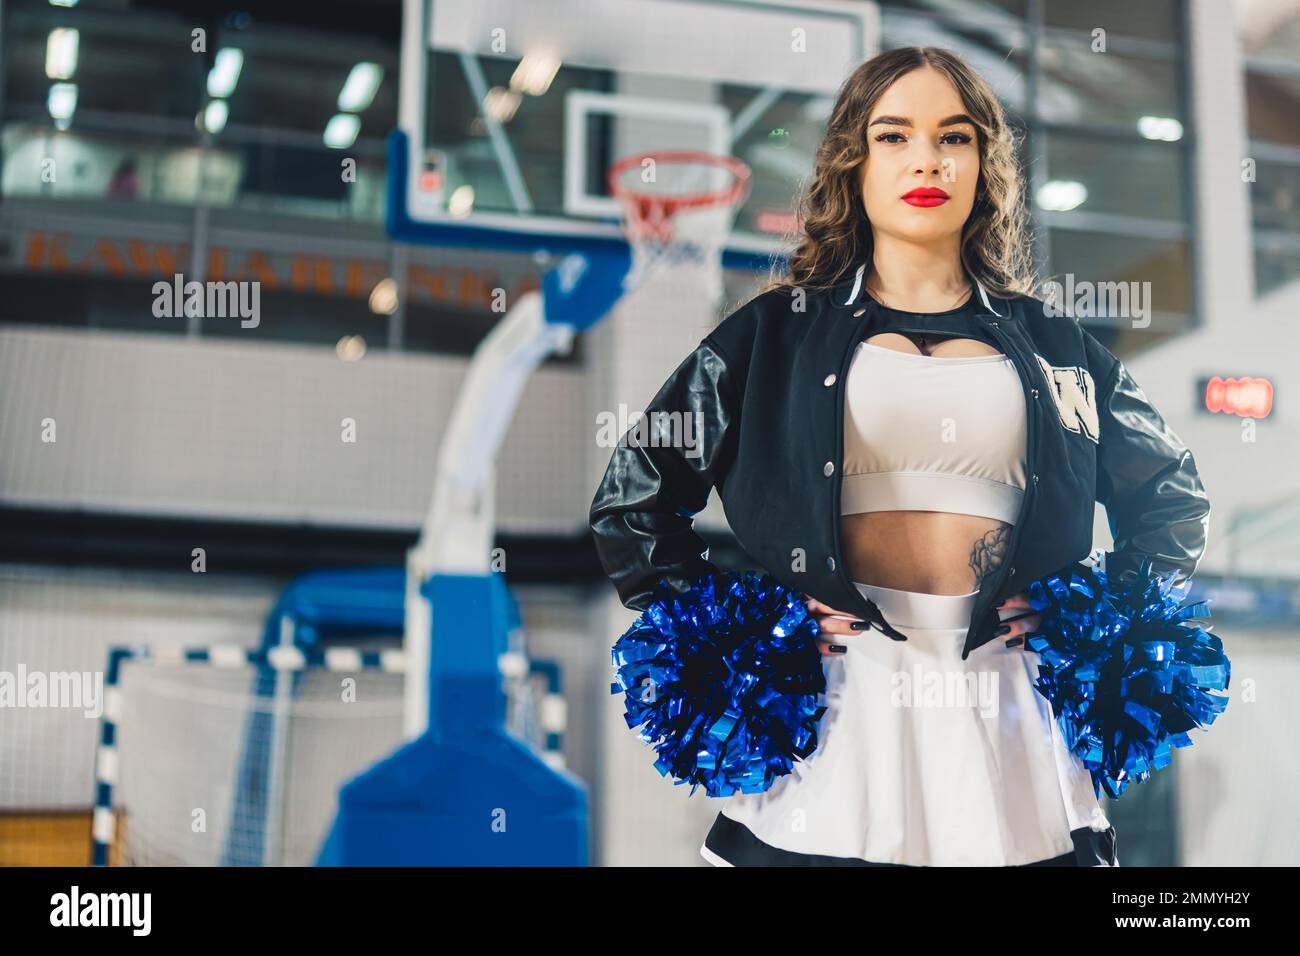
(1014, 631)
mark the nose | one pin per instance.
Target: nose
(930, 163)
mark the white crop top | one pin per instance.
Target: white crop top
(929, 433)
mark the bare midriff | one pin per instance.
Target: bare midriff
(936, 552)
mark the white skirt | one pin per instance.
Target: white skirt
(924, 759)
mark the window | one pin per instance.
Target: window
(137, 97)
(1271, 52)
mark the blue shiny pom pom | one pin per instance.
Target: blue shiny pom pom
(1126, 672)
(725, 679)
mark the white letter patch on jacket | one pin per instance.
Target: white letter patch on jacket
(1075, 396)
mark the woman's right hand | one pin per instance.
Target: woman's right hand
(835, 624)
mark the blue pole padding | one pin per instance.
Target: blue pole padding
(470, 617)
(465, 793)
(484, 799)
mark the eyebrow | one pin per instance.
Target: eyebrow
(904, 121)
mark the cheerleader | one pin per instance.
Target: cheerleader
(932, 440)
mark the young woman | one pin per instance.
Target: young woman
(901, 433)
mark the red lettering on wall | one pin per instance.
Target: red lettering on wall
(156, 260)
(425, 280)
(259, 267)
(106, 252)
(312, 274)
(40, 249)
(132, 257)
(360, 276)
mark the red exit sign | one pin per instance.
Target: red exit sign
(1248, 396)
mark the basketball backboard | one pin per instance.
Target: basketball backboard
(511, 112)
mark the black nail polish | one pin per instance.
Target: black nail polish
(1002, 630)
(859, 625)
(1017, 617)
(1015, 642)
(838, 648)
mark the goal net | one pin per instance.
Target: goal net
(219, 765)
(226, 757)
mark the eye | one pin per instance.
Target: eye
(955, 139)
(884, 138)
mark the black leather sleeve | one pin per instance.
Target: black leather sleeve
(659, 477)
(1146, 477)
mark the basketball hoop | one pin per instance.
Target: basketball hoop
(683, 214)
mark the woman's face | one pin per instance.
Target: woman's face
(919, 136)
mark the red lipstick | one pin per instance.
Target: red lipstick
(926, 196)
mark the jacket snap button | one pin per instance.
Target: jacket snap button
(829, 380)
(858, 313)
(828, 469)
(994, 324)
(830, 564)
(1035, 479)
(1034, 392)
(1012, 574)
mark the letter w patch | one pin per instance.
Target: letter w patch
(1075, 395)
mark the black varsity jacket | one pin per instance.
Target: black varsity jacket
(764, 395)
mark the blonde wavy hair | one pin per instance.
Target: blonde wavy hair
(833, 235)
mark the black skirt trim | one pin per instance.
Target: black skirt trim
(736, 844)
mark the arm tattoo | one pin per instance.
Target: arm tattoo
(989, 552)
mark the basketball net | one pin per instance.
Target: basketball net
(678, 208)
